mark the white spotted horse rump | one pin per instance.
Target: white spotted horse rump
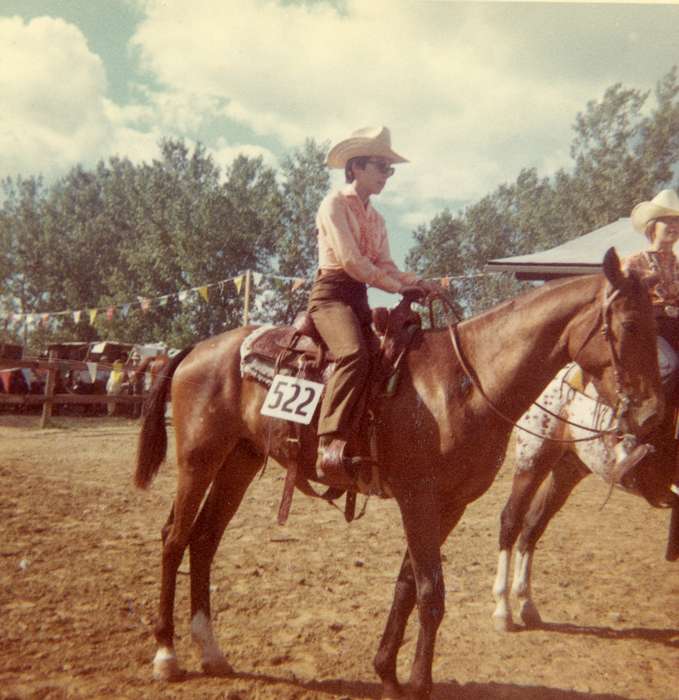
(573, 413)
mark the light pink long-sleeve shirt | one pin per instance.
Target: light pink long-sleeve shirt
(353, 237)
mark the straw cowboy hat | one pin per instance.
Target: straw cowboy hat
(665, 203)
(370, 141)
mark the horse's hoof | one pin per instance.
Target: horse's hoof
(503, 624)
(530, 615)
(167, 669)
(392, 690)
(217, 666)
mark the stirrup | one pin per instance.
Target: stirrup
(331, 464)
(629, 461)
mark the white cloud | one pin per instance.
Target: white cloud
(225, 153)
(439, 74)
(471, 91)
(52, 87)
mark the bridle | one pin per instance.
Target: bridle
(601, 323)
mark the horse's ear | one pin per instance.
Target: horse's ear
(611, 268)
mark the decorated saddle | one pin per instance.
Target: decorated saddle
(298, 350)
(294, 363)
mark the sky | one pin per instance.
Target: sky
(472, 92)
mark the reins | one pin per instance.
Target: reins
(601, 319)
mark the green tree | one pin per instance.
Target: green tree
(623, 152)
(304, 183)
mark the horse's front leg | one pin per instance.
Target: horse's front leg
(392, 638)
(533, 465)
(423, 528)
(549, 499)
(405, 597)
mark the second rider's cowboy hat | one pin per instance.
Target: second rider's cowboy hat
(370, 141)
(665, 203)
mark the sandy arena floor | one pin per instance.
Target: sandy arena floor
(300, 609)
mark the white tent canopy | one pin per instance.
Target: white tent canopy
(580, 256)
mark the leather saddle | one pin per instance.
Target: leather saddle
(299, 348)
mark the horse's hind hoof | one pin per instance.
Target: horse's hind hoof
(503, 624)
(393, 692)
(217, 667)
(166, 668)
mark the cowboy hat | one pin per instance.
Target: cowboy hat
(370, 141)
(665, 203)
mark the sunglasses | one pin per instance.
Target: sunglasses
(383, 167)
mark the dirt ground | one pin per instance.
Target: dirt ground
(299, 609)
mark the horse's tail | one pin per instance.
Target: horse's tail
(153, 436)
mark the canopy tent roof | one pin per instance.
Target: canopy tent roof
(580, 256)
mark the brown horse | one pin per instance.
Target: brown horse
(143, 376)
(551, 460)
(441, 439)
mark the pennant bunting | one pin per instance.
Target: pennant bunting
(110, 312)
(93, 315)
(256, 277)
(299, 282)
(76, 316)
(145, 304)
(203, 292)
(238, 281)
(445, 282)
(182, 296)
(124, 310)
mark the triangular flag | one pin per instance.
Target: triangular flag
(92, 369)
(445, 282)
(44, 319)
(182, 295)
(163, 300)
(297, 283)
(110, 312)
(124, 310)
(93, 315)
(145, 304)
(256, 277)
(203, 292)
(238, 281)
(76, 316)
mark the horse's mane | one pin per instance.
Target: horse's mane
(531, 296)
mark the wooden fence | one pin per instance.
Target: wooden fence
(49, 398)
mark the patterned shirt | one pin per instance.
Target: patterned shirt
(353, 237)
(661, 272)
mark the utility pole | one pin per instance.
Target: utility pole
(246, 302)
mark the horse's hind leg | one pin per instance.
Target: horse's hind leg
(549, 499)
(192, 483)
(220, 506)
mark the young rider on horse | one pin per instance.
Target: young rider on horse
(353, 251)
(658, 220)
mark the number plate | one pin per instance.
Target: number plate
(292, 398)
